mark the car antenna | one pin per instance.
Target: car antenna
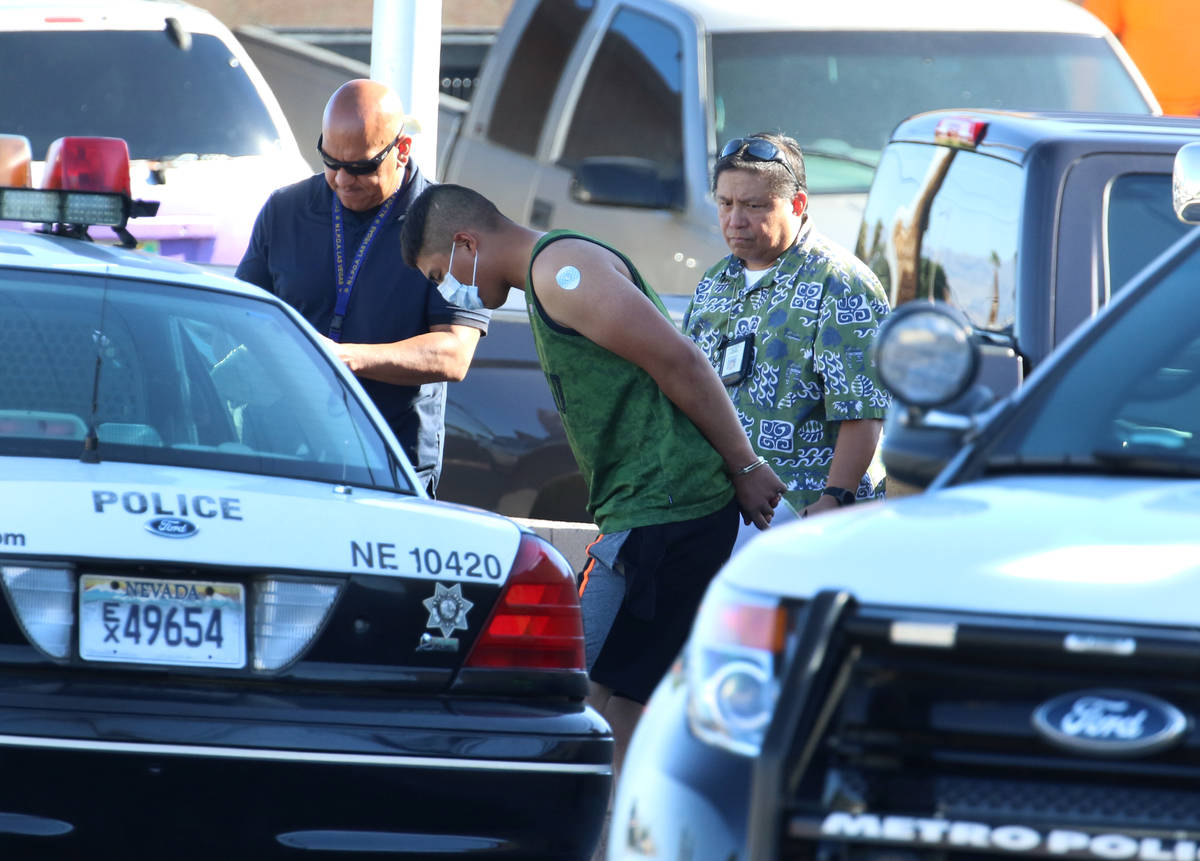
(91, 440)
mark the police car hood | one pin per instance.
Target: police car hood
(57, 508)
(1096, 548)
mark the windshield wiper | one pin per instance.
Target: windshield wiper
(1100, 462)
(1148, 460)
(1064, 463)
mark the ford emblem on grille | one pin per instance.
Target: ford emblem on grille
(1109, 722)
(172, 527)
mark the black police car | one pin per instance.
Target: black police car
(232, 625)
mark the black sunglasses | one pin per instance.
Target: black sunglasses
(357, 168)
(758, 150)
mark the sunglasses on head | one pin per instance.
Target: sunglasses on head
(357, 168)
(757, 149)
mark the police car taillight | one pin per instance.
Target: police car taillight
(43, 601)
(732, 665)
(86, 182)
(536, 623)
(959, 132)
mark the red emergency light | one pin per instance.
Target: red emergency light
(88, 164)
(960, 132)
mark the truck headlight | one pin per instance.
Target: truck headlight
(732, 666)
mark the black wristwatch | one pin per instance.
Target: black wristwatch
(844, 497)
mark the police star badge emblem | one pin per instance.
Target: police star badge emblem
(447, 609)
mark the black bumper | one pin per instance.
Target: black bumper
(117, 771)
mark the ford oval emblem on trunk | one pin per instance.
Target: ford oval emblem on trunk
(1109, 723)
(172, 527)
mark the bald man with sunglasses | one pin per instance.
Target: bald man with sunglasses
(329, 246)
(788, 320)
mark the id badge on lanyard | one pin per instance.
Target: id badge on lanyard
(735, 358)
(345, 280)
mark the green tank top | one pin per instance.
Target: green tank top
(643, 460)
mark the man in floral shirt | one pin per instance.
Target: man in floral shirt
(788, 320)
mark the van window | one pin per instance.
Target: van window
(840, 94)
(1139, 224)
(943, 224)
(534, 71)
(132, 84)
(631, 104)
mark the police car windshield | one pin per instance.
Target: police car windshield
(175, 376)
(840, 94)
(1127, 397)
(132, 84)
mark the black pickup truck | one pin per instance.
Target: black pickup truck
(991, 211)
(1027, 223)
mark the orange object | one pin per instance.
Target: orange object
(1160, 36)
(16, 155)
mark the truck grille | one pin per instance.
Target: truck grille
(944, 736)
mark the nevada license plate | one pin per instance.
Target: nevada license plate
(149, 621)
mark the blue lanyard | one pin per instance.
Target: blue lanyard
(345, 280)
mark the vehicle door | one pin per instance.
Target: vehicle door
(636, 101)
(497, 150)
(1116, 211)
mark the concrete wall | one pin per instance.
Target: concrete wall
(346, 13)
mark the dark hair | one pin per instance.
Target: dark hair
(438, 213)
(782, 184)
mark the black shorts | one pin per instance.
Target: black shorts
(640, 598)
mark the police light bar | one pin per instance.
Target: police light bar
(51, 206)
(959, 132)
(86, 183)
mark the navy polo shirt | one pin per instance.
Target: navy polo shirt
(291, 255)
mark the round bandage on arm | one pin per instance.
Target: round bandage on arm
(567, 278)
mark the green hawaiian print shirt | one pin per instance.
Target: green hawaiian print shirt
(814, 318)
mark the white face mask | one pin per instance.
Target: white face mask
(455, 292)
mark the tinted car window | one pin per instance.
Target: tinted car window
(631, 104)
(1139, 224)
(137, 85)
(1132, 389)
(841, 94)
(534, 71)
(943, 224)
(186, 378)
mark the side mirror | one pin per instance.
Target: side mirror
(926, 354)
(620, 181)
(1185, 183)
(928, 359)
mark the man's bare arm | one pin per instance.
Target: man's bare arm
(442, 353)
(852, 454)
(608, 309)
